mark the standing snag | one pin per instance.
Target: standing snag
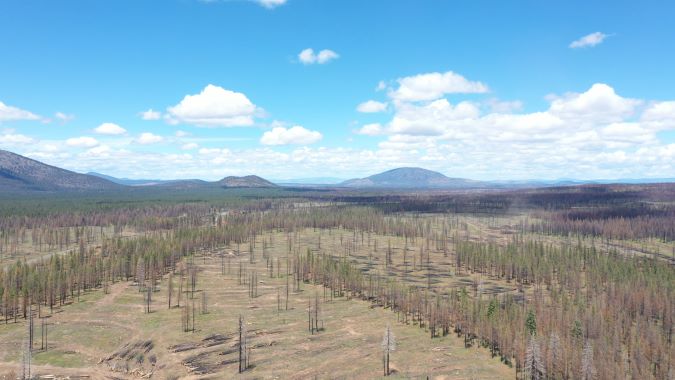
(243, 347)
(388, 345)
(534, 365)
(587, 368)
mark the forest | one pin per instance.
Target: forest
(554, 283)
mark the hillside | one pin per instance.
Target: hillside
(19, 173)
(246, 181)
(412, 178)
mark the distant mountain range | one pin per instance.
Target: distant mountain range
(308, 181)
(130, 182)
(19, 173)
(231, 181)
(412, 178)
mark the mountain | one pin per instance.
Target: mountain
(247, 181)
(176, 183)
(308, 181)
(129, 181)
(411, 178)
(19, 173)
(229, 182)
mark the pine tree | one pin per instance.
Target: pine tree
(531, 323)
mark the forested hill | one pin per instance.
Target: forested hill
(19, 173)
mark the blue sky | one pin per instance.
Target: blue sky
(480, 89)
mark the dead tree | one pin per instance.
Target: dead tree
(534, 365)
(148, 299)
(388, 346)
(170, 288)
(243, 351)
(587, 367)
(27, 354)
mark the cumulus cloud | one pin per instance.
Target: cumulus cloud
(502, 106)
(151, 115)
(295, 135)
(434, 118)
(308, 56)
(659, 115)
(579, 135)
(214, 107)
(110, 129)
(430, 86)
(10, 139)
(371, 106)
(599, 104)
(189, 146)
(271, 3)
(371, 129)
(594, 133)
(9, 113)
(589, 40)
(147, 138)
(82, 142)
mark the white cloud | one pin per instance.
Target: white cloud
(308, 56)
(181, 134)
(82, 142)
(147, 138)
(15, 139)
(371, 129)
(596, 133)
(326, 56)
(434, 118)
(501, 106)
(110, 129)
(580, 135)
(294, 135)
(432, 86)
(64, 118)
(659, 116)
(271, 3)
(190, 146)
(371, 106)
(214, 107)
(100, 151)
(589, 40)
(151, 115)
(9, 113)
(599, 104)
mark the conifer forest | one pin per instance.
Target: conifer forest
(554, 283)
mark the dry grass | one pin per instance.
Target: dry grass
(100, 325)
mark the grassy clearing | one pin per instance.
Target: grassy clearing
(349, 347)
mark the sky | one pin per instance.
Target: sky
(289, 89)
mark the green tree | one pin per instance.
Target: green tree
(531, 323)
